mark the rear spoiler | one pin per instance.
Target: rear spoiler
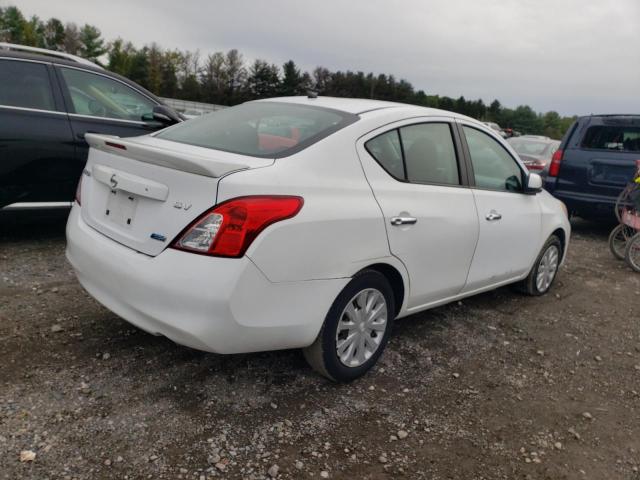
(144, 152)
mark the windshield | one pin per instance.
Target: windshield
(528, 147)
(260, 129)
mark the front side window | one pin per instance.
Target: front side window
(260, 129)
(421, 153)
(100, 96)
(25, 85)
(614, 137)
(493, 167)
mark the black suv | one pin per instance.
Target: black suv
(48, 101)
(595, 161)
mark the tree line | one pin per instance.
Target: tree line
(225, 78)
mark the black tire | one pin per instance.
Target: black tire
(529, 285)
(322, 354)
(632, 253)
(618, 239)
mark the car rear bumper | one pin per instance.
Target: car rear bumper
(220, 305)
(587, 205)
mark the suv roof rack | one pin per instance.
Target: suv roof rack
(50, 53)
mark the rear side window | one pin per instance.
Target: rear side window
(429, 154)
(612, 137)
(387, 151)
(260, 129)
(421, 153)
(26, 85)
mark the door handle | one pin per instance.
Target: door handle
(493, 215)
(395, 221)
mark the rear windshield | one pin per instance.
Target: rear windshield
(528, 147)
(260, 129)
(607, 137)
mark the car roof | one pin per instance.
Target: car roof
(359, 106)
(533, 138)
(70, 63)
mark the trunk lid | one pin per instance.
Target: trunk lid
(143, 191)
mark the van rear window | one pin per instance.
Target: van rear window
(607, 137)
(260, 129)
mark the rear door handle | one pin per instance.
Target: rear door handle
(493, 216)
(395, 221)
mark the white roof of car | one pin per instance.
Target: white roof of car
(360, 106)
(357, 105)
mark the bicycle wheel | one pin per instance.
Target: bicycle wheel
(624, 201)
(632, 253)
(618, 240)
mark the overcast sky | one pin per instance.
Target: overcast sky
(572, 56)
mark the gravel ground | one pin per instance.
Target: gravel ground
(499, 386)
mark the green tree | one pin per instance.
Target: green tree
(291, 79)
(263, 80)
(33, 33)
(13, 25)
(121, 56)
(92, 44)
(53, 34)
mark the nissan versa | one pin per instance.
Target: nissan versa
(308, 223)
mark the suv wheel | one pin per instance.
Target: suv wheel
(355, 330)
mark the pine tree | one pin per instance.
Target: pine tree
(92, 44)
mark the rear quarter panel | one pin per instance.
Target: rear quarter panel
(340, 228)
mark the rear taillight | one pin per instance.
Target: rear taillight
(79, 191)
(556, 160)
(228, 229)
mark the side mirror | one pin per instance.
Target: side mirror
(534, 183)
(166, 115)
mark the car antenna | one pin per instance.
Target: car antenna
(312, 94)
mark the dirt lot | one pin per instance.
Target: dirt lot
(497, 386)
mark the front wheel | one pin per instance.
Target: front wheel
(632, 252)
(355, 330)
(618, 240)
(545, 269)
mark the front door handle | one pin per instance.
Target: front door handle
(395, 221)
(493, 216)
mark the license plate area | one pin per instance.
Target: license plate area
(121, 208)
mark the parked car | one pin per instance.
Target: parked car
(48, 102)
(534, 151)
(308, 223)
(494, 126)
(595, 161)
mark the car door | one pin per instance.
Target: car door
(99, 103)
(416, 174)
(510, 220)
(37, 162)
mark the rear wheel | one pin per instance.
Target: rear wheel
(355, 330)
(632, 253)
(545, 269)
(618, 240)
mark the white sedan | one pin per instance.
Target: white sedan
(308, 223)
